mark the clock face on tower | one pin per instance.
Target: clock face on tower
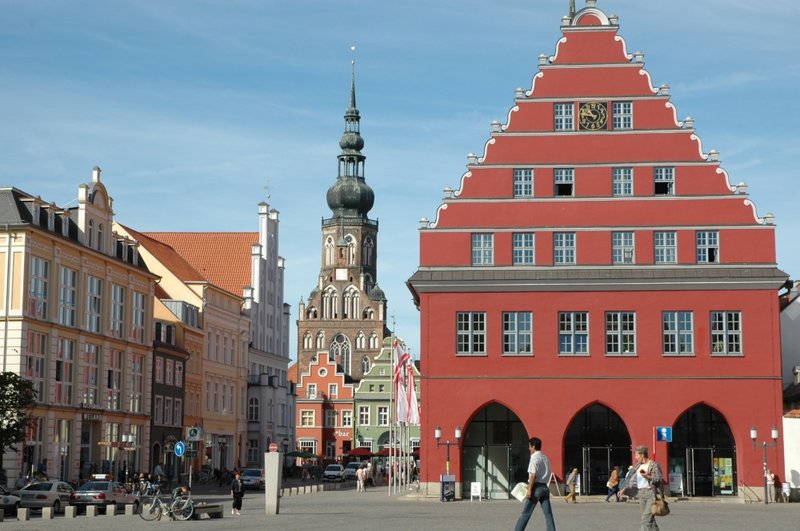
(593, 116)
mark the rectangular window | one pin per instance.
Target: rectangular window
(622, 247)
(35, 363)
(117, 310)
(158, 410)
(137, 382)
(622, 181)
(169, 372)
(517, 332)
(482, 249)
(363, 415)
(253, 456)
(707, 247)
(471, 332)
(678, 332)
(383, 415)
(347, 418)
(666, 248)
(523, 182)
(564, 248)
(563, 115)
(65, 363)
(177, 418)
(307, 418)
(726, 333)
(564, 179)
(159, 370)
(622, 113)
(114, 380)
(333, 390)
(168, 411)
(68, 296)
(312, 391)
(621, 333)
(573, 332)
(137, 326)
(37, 287)
(664, 181)
(91, 374)
(94, 298)
(523, 248)
(178, 374)
(331, 417)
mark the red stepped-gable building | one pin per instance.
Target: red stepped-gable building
(596, 276)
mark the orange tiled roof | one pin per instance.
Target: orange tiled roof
(168, 256)
(223, 258)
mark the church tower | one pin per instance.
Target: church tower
(345, 315)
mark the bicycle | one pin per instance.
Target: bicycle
(152, 507)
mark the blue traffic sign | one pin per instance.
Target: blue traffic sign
(180, 448)
(664, 433)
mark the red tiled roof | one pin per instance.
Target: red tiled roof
(168, 256)
(223, 258)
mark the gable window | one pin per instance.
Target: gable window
(620, 333)
(573, 332)
(665, 247)
(707, 247)
(522, 248)
(517, 332)
(622, 181)
(622, 114)
(523, 182)
(664, 181)
(678, 332)
(564, 247)
(312, 391)
(564, 182)
(482, 249)
(563, 116)
(471, 332)
(622, 247)
(726, 333)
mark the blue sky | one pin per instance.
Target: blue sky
(192, 108)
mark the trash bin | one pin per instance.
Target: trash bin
(448, 483)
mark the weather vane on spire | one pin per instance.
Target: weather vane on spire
(571, 8)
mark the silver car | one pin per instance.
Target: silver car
(103, 493)
(55, 494)
(8, 502)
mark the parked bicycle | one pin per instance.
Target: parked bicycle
(152, 507)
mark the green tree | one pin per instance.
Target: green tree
(17, 397)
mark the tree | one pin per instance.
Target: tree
(17, 397)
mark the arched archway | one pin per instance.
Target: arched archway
(702, 453)
(495, 451)
(596, 441)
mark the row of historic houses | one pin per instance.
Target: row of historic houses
(128, 344)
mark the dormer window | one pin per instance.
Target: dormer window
(64, 224)
(36, 213)
(51, 219)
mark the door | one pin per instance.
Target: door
(699, 471)
(497, 473)
(597, 463)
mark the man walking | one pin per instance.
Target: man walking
(538, 491)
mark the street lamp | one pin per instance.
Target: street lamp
(128, 440)
(437, 433)
(764, 444)
(63, 451)
(221, 441)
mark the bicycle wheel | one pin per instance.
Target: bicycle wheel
(149, 508)
(182, 509)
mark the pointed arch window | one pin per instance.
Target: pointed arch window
(330, 303)
(320, 340)
(351, 249)
(330, 251)
(373, 340)
(361, 340)
(307, 341)
(352, 303)
(340, 352)
(365, 365)
(369, 313)
(369, 250)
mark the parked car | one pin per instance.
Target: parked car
(103, 493)
(351, 469)
(55, 494)
(252, 478)
(333, 473)
(8, 502)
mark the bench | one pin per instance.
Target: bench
(213, 510)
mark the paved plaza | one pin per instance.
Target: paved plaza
(376, 510)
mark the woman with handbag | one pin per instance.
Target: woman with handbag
(613, 484)
(649, 480)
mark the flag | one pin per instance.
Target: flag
(401, 358)
(413, 404)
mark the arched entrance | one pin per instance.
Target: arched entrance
(596, 441)
(494, 452)
(702, 454)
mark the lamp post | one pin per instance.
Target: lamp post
(221, 441)
(437, 433)
(62, 449)
(128, 439)
(764, 445)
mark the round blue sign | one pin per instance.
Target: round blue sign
(180, 448)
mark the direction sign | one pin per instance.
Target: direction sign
(664, 433)
(180, 448)
(273, 447)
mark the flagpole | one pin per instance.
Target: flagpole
(392, 412)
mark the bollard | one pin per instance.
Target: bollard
(91, 511)
(70, 511)
(47, 513)
(129, 509)
(111, 510)
(23, 515)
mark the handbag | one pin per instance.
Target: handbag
(659, 507)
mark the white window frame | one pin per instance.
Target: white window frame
(517, 333)
(347, 418)
(726, 333)
(623, 247)
(471, 333)
(707, 250)
(523, 182)
(363, 416)
(482, 248)
(35, 362)
(665, 247)
(621, 333)
(307, 418)
(117, 320)
(622, 181)
(663, 180)
(573, 333)
(68, 296)
(38, 283)
(331, 418)
(94, 303)
(523, 248)
(65, 371)
(622, 115)
(158, 410)
(564, 182)
(564, 248)
(677, 329)
(564, 116)
(383, 415)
